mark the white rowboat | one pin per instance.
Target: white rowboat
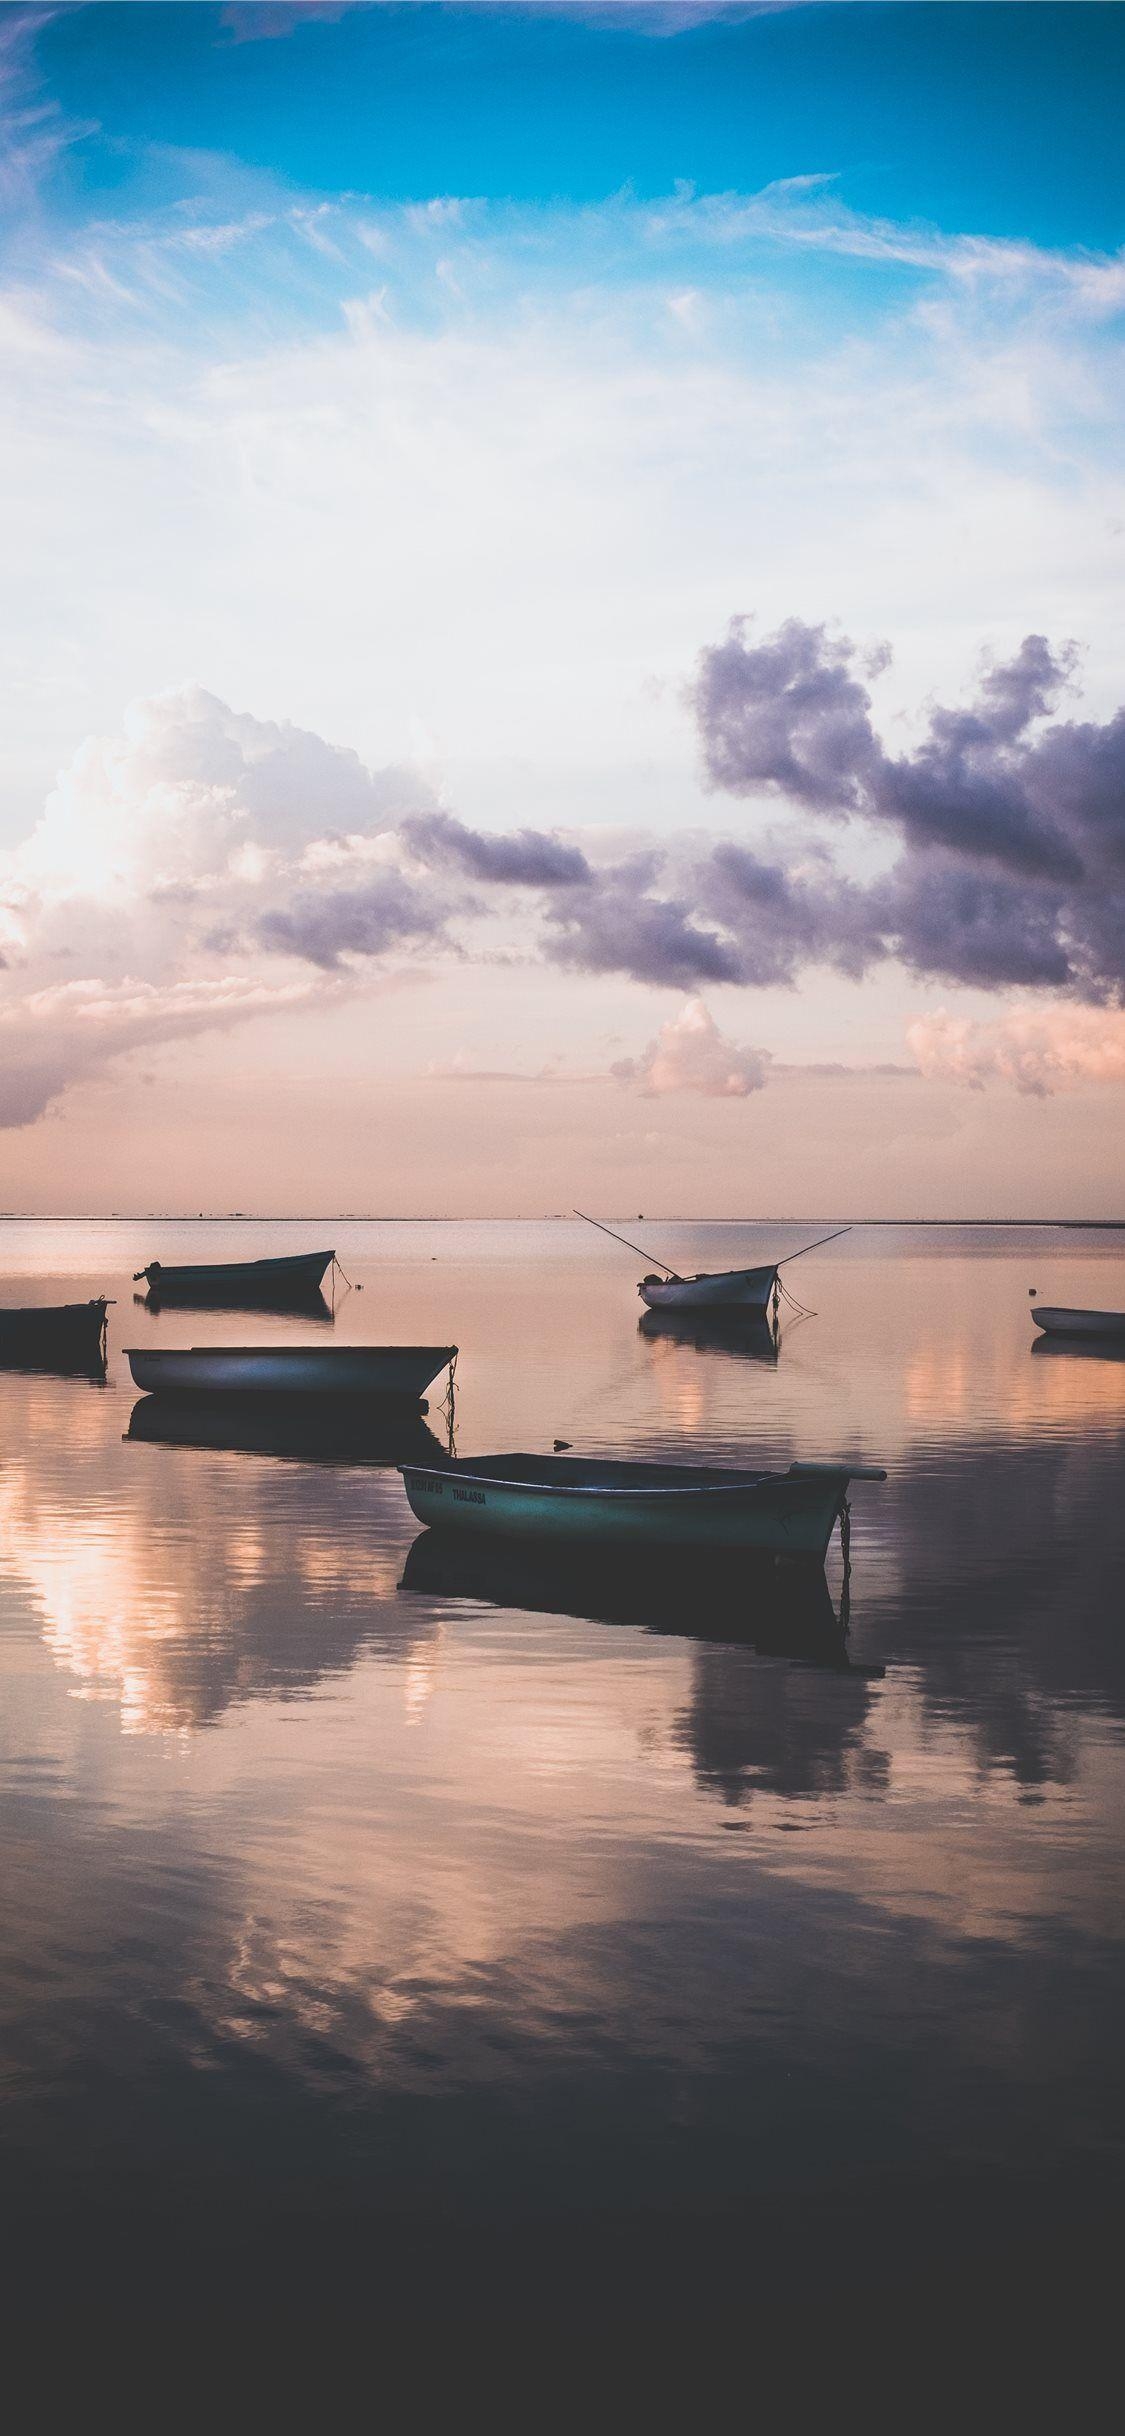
(742, 1290)
(638, 1505)
(728, 1290)
(306, 1370)
(1055, 1320)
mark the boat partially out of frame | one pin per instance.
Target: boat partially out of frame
(294, 1277)
(54, 1336)
(595, 1503)
(392, 1371)
(1056, 1320)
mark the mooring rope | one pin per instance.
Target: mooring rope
(449, 1404)
(846, 1553)
(805, 1309)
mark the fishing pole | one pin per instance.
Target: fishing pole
(630, 1247)
(805, 1247)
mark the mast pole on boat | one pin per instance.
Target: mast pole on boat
(630, 1247)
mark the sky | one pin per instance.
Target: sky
(561, 608)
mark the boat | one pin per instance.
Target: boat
(353, 1429)
(1055, 1320)
(597, 1503)
(743, 1333)
(747, 1291)
(783, 1611)
(306, 1370)
(250, 1283)
(55, 1336)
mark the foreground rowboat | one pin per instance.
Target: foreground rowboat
(55, 1335)
(306, 1370)
(239, 1281)
(670, 1505)
(1057, 1321)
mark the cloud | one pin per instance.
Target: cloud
(802, 212)
(323, 926)
(54, 1037)
(526, 859)
(690, 1053)
(618, 925)
(788, 714)
(181, 864)
(172, 865)
(1014, 868)
(33, 130)
(275, 20)
(1039, 1049)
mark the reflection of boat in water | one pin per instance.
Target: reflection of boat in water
(55, 1336)
(591, 1502)
(336, 1431)
(1056, 1321)
(290, 1370)
(246, 1283)
(778, 1610)
(749, 1335)
(1080, 1348)
(290, 1302)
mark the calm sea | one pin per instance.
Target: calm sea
(375, 1918)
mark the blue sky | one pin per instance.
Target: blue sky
(395, 411)
(997, 118)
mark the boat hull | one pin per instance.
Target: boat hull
(290, 1370)
(247, 1282)
(661, 1506)
(745, 1290)
(54, 1336)
(1055, 1321)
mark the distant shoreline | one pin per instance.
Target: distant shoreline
(548, 1218)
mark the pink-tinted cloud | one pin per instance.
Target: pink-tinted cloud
(690, 1053)
(1039, 1049)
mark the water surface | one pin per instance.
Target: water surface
(365, 1910)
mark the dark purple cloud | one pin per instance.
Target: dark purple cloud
(787, 714)
(622, 923)
(1013, 870)
(790, 716)
(322, 925)
(529, 858)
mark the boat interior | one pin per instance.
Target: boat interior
(594, 1472)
